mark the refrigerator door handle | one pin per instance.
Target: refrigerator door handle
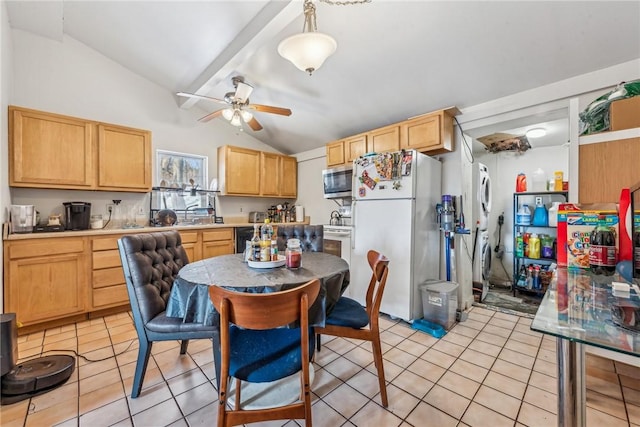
(354, 225)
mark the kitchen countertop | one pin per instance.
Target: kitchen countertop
(108, 231)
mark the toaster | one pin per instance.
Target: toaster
(257, 217)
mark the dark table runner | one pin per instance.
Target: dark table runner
(190, 301)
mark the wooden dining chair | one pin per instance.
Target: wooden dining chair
(349, 319)
(256, 346)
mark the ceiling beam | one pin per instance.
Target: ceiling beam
(271, 20)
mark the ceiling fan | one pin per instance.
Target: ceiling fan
(238, 105)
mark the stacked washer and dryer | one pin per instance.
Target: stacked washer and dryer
(482, 245)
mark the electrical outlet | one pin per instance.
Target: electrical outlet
(109, 207)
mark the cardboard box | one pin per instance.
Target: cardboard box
(563, 210)
(580, 224)
(624, 113)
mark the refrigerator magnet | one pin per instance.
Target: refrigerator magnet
(362, 191)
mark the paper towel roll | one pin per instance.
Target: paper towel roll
(299, 213)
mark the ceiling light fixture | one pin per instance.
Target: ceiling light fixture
(536, 133)
(227, 113)
(308, 50)
(235, 120)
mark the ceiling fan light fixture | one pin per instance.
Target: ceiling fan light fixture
(227, 113)
(308, 50)
(246, 116)
(235, 120)
(536, 133)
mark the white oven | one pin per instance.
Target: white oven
(337, 241)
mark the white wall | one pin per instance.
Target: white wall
(69, 78)
(6, 91)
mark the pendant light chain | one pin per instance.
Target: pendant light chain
(344, 3)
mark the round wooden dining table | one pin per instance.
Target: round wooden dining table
(189, 298)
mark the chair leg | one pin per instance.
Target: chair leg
(318, 341)
(377, 358)
(215, 343)
(144, 351)
(183, 346)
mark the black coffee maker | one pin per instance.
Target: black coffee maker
(77, 215)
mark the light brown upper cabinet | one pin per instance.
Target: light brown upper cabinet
(238, 171)
(270, 173)
(288, 177)
(124, 158)
(49, 150)
(605, 168)
(384, 139)
(335, 153)
(430, 133)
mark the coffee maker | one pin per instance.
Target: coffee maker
(77, 215)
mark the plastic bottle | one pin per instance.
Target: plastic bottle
(523, 216)
(546, 243)
(557, 182)
(255, 244)
(519, 245)
(540, 215)
(521, 183)
(553, 214)
(534, 246)
(602, 252)
(274, 250)
(539, 180)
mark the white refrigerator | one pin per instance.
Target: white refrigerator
(394, 212)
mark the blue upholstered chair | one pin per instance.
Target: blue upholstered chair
(150, 262)
(349, 319)
(254, 347)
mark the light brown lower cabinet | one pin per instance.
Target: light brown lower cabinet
(48, 280)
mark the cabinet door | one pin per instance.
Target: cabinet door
(108, 286)
(385, 139)
(192, 245)
(335, 153)
(355, 147)
(289, 177)
(124, 158)
(422, 134)
(46, 287)
(49, 151)
(606, 167)
(239, 171)
(217, 248)
(270, 172)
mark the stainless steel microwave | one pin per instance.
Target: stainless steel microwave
(337, 182)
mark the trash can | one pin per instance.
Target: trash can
(440, 302)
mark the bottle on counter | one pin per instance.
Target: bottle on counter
(602, 251)
(274, 250)
(255, 244)
(266, 231)
(293, 254)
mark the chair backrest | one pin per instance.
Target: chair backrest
(262, 311)
(311, 237)
(379, 271)
(150, 262)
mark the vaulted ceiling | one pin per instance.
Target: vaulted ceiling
(395, 59)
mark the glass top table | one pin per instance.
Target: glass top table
(580, 308)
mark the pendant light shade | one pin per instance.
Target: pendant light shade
(308, 50)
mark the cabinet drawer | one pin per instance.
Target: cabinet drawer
(43, 247)
(107, 277)
(105, 243)
(189, 236)
(106, 259)
(111, 295)
(219, 234)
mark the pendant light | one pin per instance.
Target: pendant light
(308, 50)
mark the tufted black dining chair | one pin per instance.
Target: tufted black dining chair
(150, 262)
(311, 237)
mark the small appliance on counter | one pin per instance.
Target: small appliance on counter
(54, 224)
(78, 215)
(23, 218)
(257, 217)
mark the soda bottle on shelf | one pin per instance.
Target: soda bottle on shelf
(602, 252)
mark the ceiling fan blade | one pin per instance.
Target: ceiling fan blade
(206, 98)
(211, 116)
(242, 92)
(270, 109)
(253, 124)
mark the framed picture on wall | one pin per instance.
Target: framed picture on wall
(181, 170)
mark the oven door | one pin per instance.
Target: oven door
(338, 243)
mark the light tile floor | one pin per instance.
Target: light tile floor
(490, 370)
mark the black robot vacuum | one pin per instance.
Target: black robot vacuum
(32, 377)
